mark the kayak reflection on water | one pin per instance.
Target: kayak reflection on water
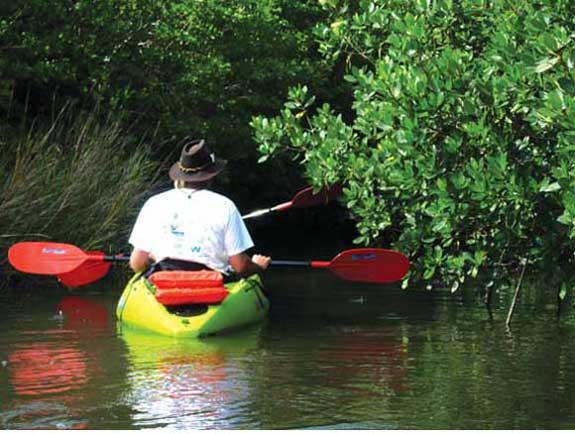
(183, 383)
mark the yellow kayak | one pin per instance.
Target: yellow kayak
(244, 304)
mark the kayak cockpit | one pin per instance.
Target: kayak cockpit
(187, 305)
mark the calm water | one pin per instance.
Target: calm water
(332, 355)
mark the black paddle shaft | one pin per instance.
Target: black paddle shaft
(291, 263)
(116, 258)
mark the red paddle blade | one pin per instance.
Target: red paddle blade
(370, 265)
(307, 198)
(45, 257)
(89, 272)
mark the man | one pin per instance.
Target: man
(191, 227)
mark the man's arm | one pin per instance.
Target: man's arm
(245, 266)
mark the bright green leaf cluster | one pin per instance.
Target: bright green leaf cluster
(460, 151)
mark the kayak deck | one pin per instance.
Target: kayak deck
(245, 304)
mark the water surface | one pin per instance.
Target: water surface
(331, 355)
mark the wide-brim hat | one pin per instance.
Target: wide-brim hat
(196, 163)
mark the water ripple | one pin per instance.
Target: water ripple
(42, 368)
(40, 415)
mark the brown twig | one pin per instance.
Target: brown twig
(516, 295)
(24, 235)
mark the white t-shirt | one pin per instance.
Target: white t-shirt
(191, 225)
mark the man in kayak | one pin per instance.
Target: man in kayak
(191, 227)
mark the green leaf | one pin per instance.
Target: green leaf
(474, 272)
(563, 291)
(555, 186)
(455, 286)
(546, 64)
(429, 272)
(566, 218)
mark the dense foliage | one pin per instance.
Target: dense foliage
(460, 148)
(183, 68)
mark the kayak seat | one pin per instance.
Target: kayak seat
(189, 287)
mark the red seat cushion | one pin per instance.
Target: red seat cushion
(189, 287)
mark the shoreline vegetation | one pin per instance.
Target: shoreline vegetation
(449, 124)
(77, 179)
(460, 149)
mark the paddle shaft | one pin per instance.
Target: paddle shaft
(280, 207)
(312, 264)
(120, 258)
(116, 258)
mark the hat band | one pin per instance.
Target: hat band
(198, 168)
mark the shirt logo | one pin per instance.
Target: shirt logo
(175, 231)
(175, 226)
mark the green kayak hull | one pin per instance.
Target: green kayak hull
(245, 304)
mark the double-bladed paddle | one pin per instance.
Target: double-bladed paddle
(74, 267)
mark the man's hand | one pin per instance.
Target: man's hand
(139, 260)
(262, 261)
(245, 266)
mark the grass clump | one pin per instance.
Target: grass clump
(78, 180)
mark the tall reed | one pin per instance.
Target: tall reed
(78, 180)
